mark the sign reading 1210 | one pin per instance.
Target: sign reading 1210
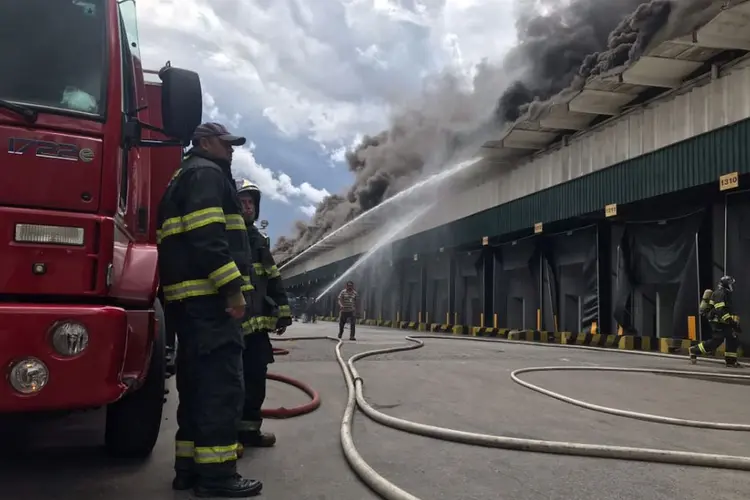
(49, 149)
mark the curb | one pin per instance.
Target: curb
(621, 342)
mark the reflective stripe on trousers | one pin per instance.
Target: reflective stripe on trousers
(184, 449)
(214, 454)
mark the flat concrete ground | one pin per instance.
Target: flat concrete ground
(451, 383)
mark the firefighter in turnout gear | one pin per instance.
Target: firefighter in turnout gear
(717, 308)
(270, 313)
(204, 270)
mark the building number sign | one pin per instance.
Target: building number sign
(729, 181)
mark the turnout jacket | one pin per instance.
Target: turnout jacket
(270, 304)
(721, 314)
(201, 236)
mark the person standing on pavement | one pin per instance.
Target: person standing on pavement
(724, 325)
(348, 309)
(270, 313)
(204, 271)
(312, 309)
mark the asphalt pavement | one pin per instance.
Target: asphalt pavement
(458, 384)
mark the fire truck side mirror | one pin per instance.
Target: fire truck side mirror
(181, 102)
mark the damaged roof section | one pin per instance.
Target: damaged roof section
(664, 66)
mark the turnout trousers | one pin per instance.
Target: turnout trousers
(256, 357)
(210, 385)
(719, 335)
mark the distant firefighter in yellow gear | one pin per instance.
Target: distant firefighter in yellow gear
(716, 306)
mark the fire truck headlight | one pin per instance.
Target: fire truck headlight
(69, 338)
(28, 376)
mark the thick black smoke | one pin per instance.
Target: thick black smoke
(560, 44)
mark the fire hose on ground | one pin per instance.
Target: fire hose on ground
(390, 491)
(281, 413)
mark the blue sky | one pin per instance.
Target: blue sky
(303, 80)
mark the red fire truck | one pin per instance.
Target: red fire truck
(87, 147)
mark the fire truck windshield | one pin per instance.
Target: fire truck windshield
(53, 55)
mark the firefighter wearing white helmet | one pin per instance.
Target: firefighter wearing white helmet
(270, 313)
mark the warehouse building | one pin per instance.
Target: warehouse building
(607, 212)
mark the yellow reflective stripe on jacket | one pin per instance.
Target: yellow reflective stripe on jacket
(190, 222)
(285, 311)
(168, 228)
(270, 271)
(235, 223)
(184, 449)
(718, 305)
(730, 354)
(215, 454)
(258, 324)
(225, 274)
(726, 317)
(248, 286)
(247, 326)
(273, 271)
(190, 288)
(204, 217)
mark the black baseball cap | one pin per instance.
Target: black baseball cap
(212, 129)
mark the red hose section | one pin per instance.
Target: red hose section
(280, 413)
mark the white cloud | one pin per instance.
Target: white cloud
(338, 154)
(308, 210)
(275, 185)
(211, 113)
(327, 70)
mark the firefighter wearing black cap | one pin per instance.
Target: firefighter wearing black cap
(205, 268)
(717, 307)
(271, 313)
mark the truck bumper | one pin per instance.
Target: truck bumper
(92, 378)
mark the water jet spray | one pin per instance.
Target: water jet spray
(387, 238)
(430, 181)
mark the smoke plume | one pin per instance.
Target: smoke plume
(560, 43)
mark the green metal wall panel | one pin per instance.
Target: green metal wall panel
(693, 162)
(696, 161)
(467, 231)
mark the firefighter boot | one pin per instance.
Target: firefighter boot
(183, 480)
(731, 362)
(234, 486)
(693, 354)
(257, 439)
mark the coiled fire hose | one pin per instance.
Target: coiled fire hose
(280, 413)
(390, 491)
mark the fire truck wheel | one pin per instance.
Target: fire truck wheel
(133, 423)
